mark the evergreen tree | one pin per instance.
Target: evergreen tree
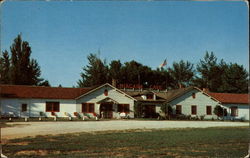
(135, 73)
(234, 79)
(162, 78)
(44, 83)
(131, 72)
(208, 71)
(20, 69)
(115, 71)
(182, 73)
(4, 68)
(222, 77)
(95, 73)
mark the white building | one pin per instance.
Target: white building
(237, 105)
(109, 102)
(31, 101)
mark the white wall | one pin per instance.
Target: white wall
(35, 106)
(98, 95)
(10, 105)
(243, 111)
(201, 101)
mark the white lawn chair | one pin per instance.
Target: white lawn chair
(123, 115)
(68, 115)
(3, 156)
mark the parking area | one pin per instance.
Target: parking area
(23, 129)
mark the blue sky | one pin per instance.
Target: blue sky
(62, 34)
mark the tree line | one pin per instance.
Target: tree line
(18, 68)
(217, 76)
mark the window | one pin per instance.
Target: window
(52, 107)
(106, 92)
(209, 110)
(193, 95)
(193, 109)
(24, 107)
(123, 108)
(150, 96)
(88, 107)
(234, 111)
(178, 109)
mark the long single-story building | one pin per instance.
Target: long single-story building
(237, 105)
(108, 101)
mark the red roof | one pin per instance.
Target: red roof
(231, 97)
(18, 91)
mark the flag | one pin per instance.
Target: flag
(163, 64)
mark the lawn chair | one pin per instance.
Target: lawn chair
(68, 115)
(11, 115)
(123, 115)
(3, 156)
(54, 115)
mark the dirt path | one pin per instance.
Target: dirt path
(24, 129)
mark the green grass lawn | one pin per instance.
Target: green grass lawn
(209, 142)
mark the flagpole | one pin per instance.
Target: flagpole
(166, 78)
(165, 64)
(162, 68)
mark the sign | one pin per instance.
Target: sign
(138, 86)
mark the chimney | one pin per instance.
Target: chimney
(113, 82)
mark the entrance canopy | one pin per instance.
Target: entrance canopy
(107, 100)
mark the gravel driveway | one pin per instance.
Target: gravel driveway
(44, 128)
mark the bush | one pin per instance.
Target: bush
(202, 117)
(218, 110)
(167, 110)
(138, 110)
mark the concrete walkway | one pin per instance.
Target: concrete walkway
(24, 129)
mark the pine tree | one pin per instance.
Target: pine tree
(182, 73)
(20, 68)
(95, 73)
(235, 79)
(222, 77)
(4, 68)
(208, 71)
(115, 71)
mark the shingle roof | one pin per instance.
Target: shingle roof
(19, 91)
(162, 96)
(136, 93)
(172, 94)
(231, 97)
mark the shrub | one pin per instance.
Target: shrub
(242, 119)
(167, 110)
(87, 115)
(188, 117)
(219, 111)
(41, 114)
(138, 110)
(181, 117)
(77, 115)
(202, 117)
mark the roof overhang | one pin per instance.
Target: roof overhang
(193, 89)
(107, 100)
(208, 95)
(107, 84)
